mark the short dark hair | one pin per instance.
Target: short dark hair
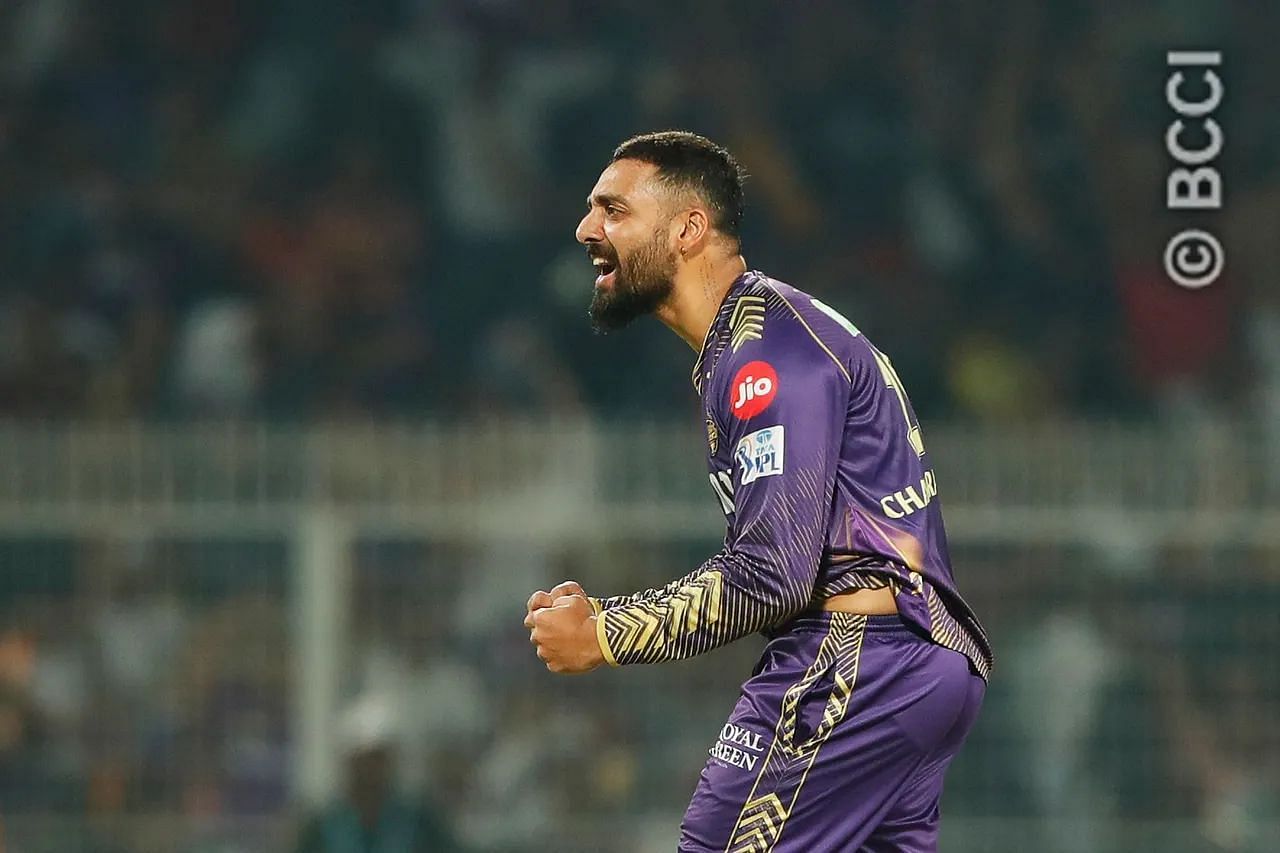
(691, 162)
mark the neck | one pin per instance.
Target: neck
(696, 295)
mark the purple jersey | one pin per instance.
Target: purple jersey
(819, 464)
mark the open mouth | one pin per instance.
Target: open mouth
(605, 270)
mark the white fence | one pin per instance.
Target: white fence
(255, 470)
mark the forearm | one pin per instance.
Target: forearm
(726, 599)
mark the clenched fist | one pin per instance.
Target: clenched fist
(562, 627)
(541, 599)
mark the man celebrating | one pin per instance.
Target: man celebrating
(875, 667)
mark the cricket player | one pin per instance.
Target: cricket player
(875, 667)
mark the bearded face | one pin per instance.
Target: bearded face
(631, 283)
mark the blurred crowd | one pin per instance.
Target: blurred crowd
(331, 209)
(127, 689)
(145, 691)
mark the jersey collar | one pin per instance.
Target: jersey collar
(715, 334)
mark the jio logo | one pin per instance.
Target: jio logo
(753, 389)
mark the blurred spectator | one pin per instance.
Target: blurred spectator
(371, 816)
(233, 714)
(22, 780)
(136, 619)
(216, 370)
(409, 649)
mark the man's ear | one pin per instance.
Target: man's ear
(695, 225)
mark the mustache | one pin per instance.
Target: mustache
(601, 252)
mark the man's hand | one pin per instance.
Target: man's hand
(564, 632)
(541, 599)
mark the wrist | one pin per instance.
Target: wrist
(602, 641)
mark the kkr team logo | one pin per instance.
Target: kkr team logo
(760, 454)
(753, 389)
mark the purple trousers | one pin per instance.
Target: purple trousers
(838, 742)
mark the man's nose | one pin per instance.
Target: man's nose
(588, 230)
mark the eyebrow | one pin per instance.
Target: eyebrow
(604, 199)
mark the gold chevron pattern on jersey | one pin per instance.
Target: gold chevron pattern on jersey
(786, 767)
(759, 826)
(838, 654)
(614, 601)
(695, 604)
(634, 631)
(747, 321)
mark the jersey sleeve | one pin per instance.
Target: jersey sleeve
(786, 433)
(602, 604)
